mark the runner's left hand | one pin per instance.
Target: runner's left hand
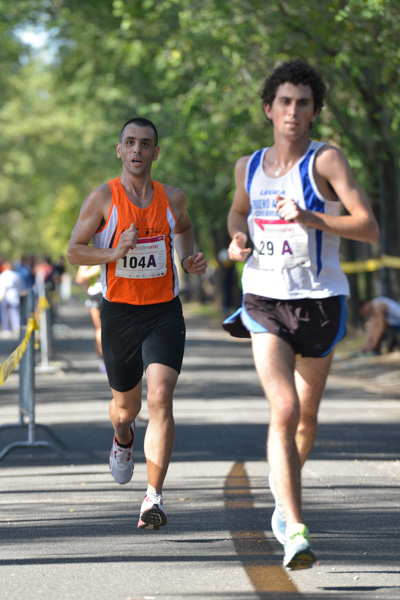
(195, 264)
(288, 209)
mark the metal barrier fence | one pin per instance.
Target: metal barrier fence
(27, 389)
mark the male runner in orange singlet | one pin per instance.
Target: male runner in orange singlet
(135, 224)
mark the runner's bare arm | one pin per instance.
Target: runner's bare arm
(237, 217)
(193, 262)
(93, 214)
(86, 272)
(359, 224)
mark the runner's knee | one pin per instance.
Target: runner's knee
(124, 414)
(159, 398)
(285, 418)
(308, 425)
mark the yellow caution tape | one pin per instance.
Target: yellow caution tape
(12, 361)
(392, 262)
(372, 264)
(43, 304)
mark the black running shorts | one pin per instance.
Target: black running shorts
(312, 327)
(133, 337)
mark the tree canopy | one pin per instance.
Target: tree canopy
(195, 68)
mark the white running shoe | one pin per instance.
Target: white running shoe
(121, 460)
(152, 514)
(278, 522)
(298, 552)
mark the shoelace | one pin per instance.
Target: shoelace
(298, 533)
(154, 496)
(122, 455)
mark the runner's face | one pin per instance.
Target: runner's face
(136, 149)
(292, 110)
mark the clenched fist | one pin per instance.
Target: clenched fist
(127, 240)
(195, 264)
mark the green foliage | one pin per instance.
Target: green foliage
(195, 68)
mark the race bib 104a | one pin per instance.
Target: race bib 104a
(148, 259)
(280, 245)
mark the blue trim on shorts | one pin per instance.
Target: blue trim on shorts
(248, 322)
(232, 318)
(342, 325)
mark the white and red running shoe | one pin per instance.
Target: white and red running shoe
(152, 514)
(121, 460)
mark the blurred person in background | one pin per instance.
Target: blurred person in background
(381, 315)
(89, 278)
(11, 284)
(25, 269)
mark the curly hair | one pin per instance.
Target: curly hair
(297, 72)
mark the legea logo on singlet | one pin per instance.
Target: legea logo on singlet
(266, 207)
(272, 193)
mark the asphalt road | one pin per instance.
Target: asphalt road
(69, 532)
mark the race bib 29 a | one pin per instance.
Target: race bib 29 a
(280, 245)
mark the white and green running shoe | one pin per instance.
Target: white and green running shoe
(298, 552)
(278, 522)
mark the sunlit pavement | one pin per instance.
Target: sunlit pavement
(70, 532)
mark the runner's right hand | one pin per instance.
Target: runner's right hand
(237, 248)
(127, 240)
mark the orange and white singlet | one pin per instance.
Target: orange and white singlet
(147, 274)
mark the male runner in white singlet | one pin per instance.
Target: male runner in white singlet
(135, 224)
(289, 200)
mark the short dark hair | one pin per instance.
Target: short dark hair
(294, 71)
(141, 122)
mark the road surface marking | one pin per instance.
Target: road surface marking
(264, 577)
